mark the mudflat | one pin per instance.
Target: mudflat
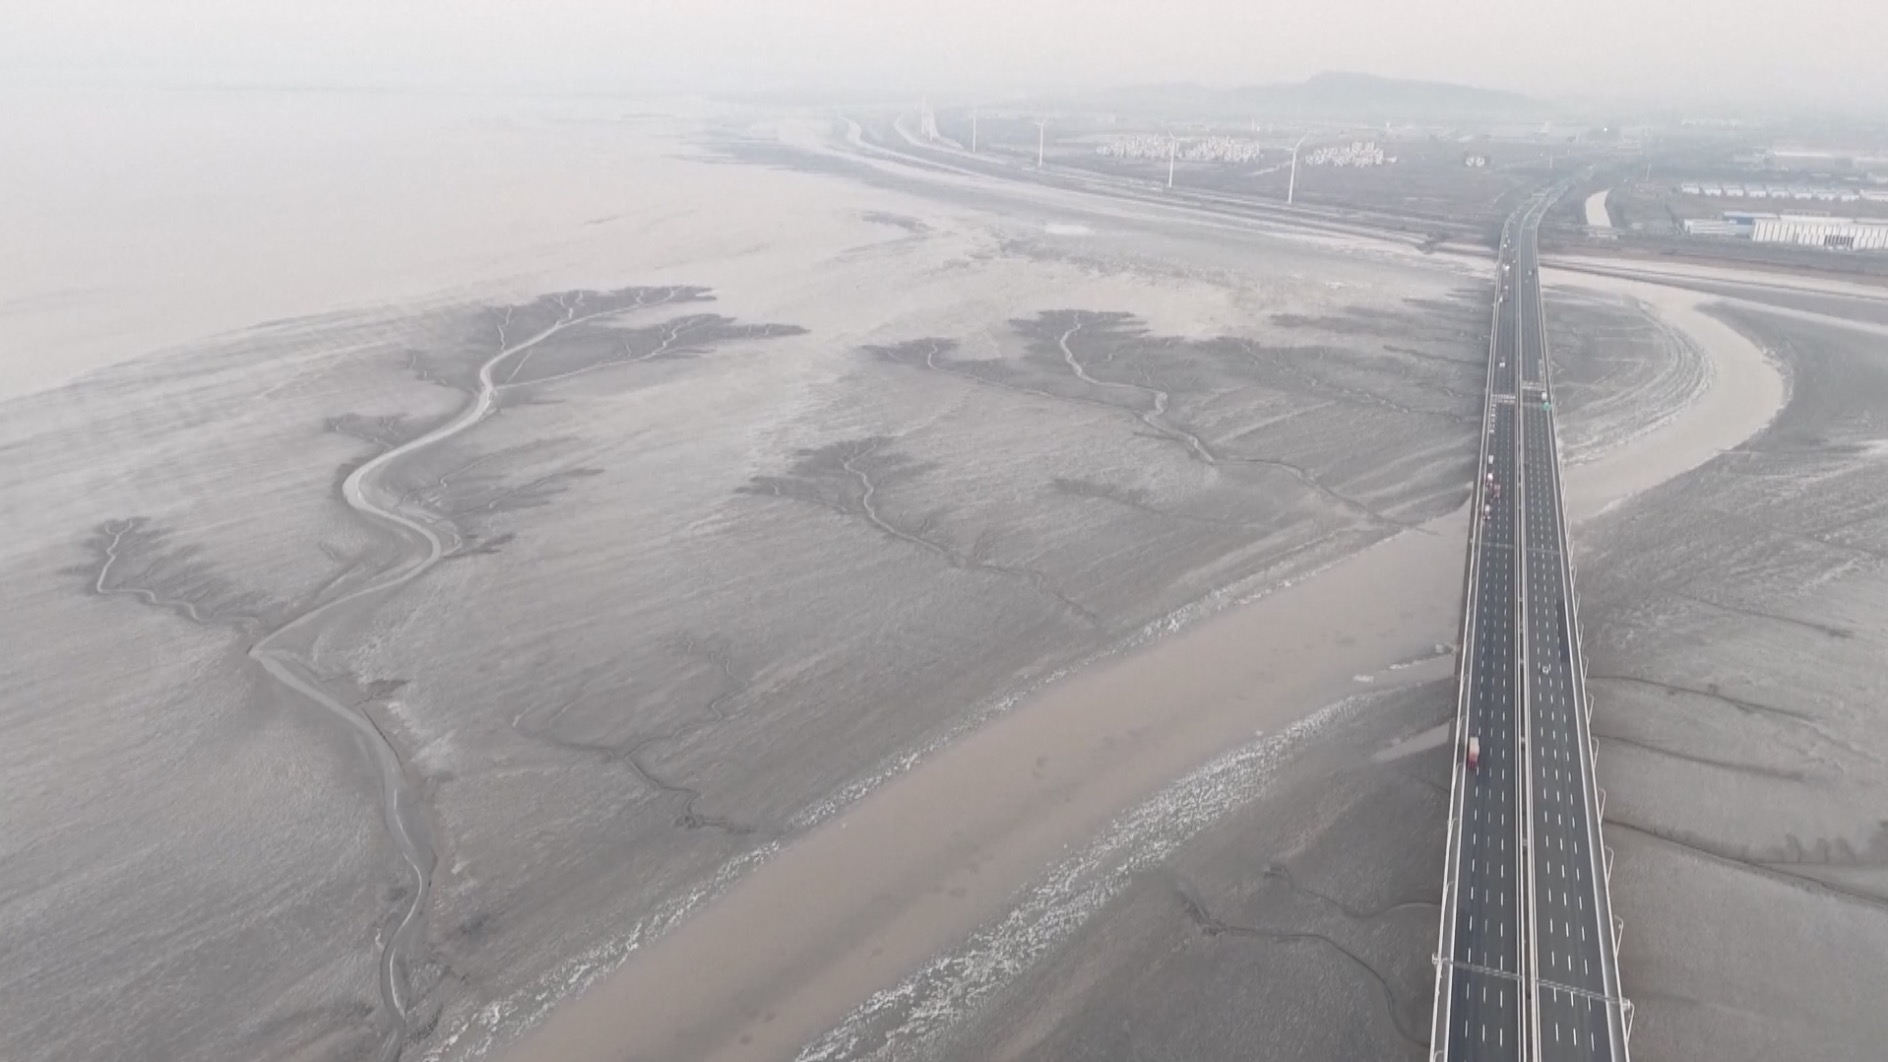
(462, 642)
(877, 890)
(1300, 922)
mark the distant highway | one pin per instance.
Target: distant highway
(893, 140)
(1527, 964)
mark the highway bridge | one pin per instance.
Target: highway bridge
(1527, 957)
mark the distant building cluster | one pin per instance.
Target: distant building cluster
(1802, 230)
(1356, 153)
(1821, 160)
(1196, 149)
(1798, 192)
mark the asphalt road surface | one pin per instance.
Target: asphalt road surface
(1529, 970)
(1574, 965)
(1485, 1005)
(1480, 1004)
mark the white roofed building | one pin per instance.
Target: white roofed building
(1808, 230)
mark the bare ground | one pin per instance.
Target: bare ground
(1737, 635)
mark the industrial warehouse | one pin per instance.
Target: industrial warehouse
(1806, 230)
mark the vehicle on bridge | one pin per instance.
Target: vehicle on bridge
(1474, 752)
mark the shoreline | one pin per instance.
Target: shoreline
(1745, 392)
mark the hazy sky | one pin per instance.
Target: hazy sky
(1685, 50)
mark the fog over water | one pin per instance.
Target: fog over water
(177, 213)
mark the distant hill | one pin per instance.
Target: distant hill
(1363, 97)
(1366, 95)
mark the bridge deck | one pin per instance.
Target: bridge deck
(1528, 968)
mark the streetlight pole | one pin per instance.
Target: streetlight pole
(1042, 127)
(1173, 148)
(1291, 189)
